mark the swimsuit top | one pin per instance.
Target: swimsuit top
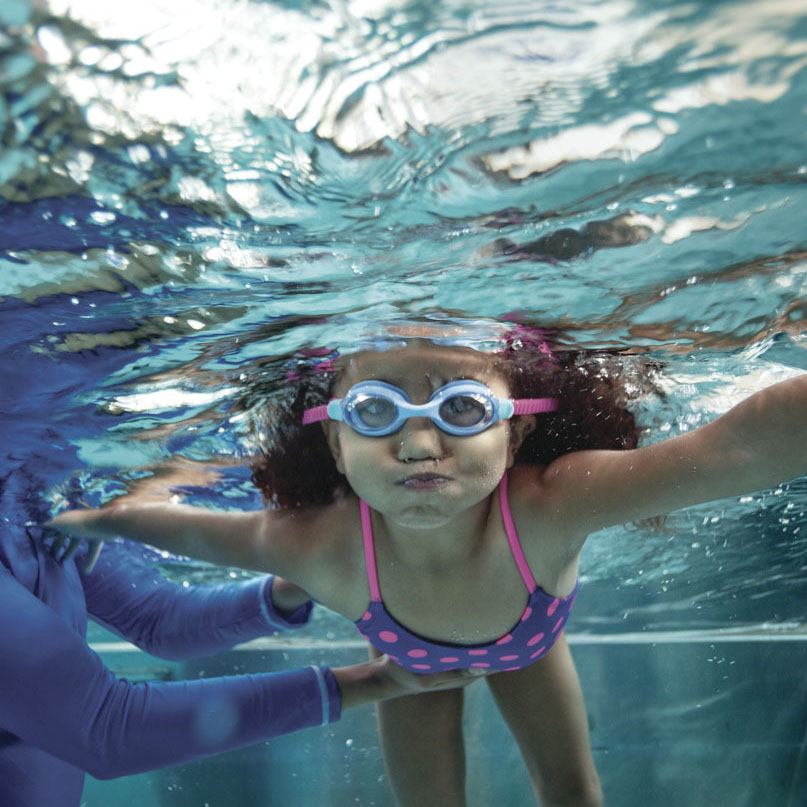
(532, 637)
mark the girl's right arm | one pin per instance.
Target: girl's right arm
(262, 539)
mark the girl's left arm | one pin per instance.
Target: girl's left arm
(757, 444)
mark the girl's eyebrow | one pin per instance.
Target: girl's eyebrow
(436, 380)
(438, 377)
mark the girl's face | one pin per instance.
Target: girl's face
(420, 476)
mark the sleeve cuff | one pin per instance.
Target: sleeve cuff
(331, 696)
(275, 619)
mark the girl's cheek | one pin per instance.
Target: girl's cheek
(357, 459)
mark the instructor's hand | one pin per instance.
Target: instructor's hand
(382, 678)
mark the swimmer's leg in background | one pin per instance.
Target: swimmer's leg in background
(543, 706)
(424, 754)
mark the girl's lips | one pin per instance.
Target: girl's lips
(425, 481)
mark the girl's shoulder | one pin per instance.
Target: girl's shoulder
(327, 556)
(320, 528)
(538, 513)
(526, 487)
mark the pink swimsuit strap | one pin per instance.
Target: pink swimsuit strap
(512, 537)
(509, 528)
(369, 551)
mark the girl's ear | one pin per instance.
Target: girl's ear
(520, 427)
(332, 438)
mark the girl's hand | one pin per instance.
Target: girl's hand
(71, 525)
(94, 524)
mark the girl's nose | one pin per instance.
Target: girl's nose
(419, 439)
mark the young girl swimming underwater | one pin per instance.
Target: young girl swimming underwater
(438, 492)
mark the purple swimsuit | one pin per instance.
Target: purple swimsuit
(532, 637)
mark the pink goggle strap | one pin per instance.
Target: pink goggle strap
(315, 414)
(534, 406)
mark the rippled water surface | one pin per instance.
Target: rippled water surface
(194, 189)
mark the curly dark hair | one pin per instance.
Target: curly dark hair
(594, 387)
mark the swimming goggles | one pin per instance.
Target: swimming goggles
(461, 407)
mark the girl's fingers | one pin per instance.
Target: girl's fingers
(92, 555)
(64, 547)
(57, 546)
(72, 547)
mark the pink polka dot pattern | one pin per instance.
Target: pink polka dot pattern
(532, 637)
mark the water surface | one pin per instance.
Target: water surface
(192, 190)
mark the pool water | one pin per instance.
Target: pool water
(190, 191)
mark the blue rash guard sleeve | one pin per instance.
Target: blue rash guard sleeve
(127, 594)
(58, 696)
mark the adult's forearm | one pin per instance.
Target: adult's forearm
(58, 696)
(128, 594)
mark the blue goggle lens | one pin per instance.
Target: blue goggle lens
(465, 411)
(373, 412)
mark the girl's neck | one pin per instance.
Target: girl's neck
(458, 539)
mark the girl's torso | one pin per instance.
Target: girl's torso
(476, 603)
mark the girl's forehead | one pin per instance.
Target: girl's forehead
(418, 363)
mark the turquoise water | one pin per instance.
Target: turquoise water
(191, 190)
